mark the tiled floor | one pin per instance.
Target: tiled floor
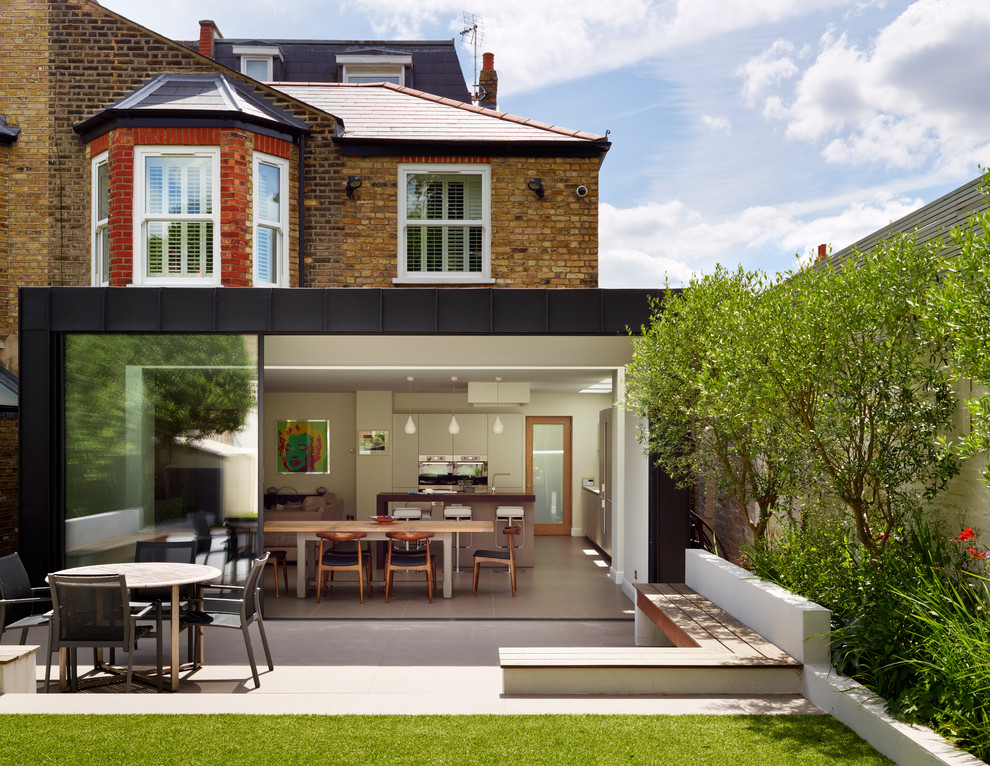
(568, 580)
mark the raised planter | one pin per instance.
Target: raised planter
(801, 628)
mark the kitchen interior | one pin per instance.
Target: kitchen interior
(458, 421)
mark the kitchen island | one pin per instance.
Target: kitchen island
(483, 506)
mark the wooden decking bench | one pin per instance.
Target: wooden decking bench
(698, 649)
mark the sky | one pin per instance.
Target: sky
(744, 132)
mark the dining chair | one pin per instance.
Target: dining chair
(401, 560)
(94, 611)
(18, 600)
(236, 613)
(500, 556)
(333, 559)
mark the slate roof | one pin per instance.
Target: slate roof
(387, 111)
(202, 95)
(435, 66)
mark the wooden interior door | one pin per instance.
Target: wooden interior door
(548, 473)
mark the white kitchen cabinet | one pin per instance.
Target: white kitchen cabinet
(405, 454)
(435, 439)
(505, 453)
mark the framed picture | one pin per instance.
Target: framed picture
(302, 446)
(372, 442)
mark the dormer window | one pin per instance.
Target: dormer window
(258, 61)
(373, 68)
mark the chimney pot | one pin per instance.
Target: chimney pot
(487, 61)
(822, 252)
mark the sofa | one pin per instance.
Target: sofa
(308, 508)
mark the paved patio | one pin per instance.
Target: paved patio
(407, 657)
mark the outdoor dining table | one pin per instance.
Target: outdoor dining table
(443, 529)
(159, 574)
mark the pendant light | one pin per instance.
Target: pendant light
(453, 428)
(497, 427)
(410, 424)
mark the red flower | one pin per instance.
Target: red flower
(977, 555)
(967, 534)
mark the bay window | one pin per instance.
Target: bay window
(176, 216)
(271, 179)
(101, 221)
(444, 223)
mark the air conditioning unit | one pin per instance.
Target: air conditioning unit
(484, 394)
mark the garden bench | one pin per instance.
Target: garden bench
(697, 648)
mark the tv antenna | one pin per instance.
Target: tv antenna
(473, 34)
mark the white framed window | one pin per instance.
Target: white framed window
(257, 67)
(258, 61)
(176, 215)
(271, 221)
(444, 223)
(356, 67)
(101, 220)
(392, 74)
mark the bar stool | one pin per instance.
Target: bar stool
(408, 514)
(513, 516)
(458, 512)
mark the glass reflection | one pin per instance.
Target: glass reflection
(160, 432)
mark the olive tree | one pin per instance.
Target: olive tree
(862, 379)
(695, 382)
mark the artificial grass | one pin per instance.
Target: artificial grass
(725, 740)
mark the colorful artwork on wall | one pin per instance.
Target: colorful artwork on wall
(302, 446)
(372, 442)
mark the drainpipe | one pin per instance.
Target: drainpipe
(302, 210)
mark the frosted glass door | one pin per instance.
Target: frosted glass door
(549, 473)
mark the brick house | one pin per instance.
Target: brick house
(154, 190)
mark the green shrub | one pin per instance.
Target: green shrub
(910, 624)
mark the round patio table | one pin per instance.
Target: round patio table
(159, 574)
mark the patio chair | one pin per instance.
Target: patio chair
(183, 552)
(331, 559)
(501, 556)
(399, 559)
(236, 613)
(94, 611)
(18, 599)
(242, 535)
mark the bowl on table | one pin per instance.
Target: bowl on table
(383, 519)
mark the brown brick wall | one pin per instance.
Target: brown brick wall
(548, 242)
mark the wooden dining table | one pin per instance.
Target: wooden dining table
(159, 574)
(443, 530)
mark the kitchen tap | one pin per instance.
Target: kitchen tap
(493, 480)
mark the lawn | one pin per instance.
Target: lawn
(491, 739)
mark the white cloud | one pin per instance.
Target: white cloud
(646, 245)
(554, 41)
(916, 97)
(717, 124)
(768, 69)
